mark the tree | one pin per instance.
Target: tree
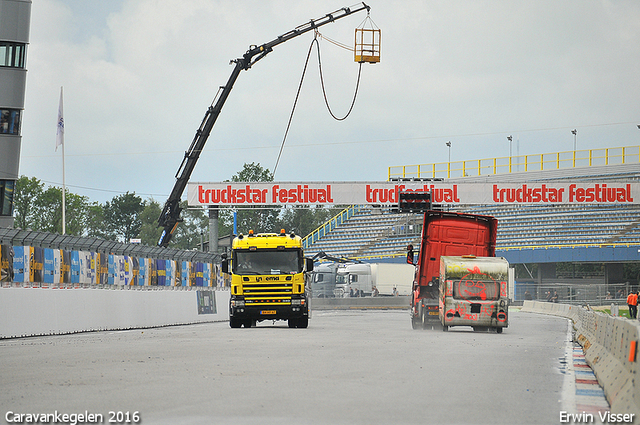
(27, 191)
(256, 218)
(253, 173)
(305, 219)
(95, 223)
(49, 210)
(149, 230)
(122, 216)
(194, 227)
(40, 209)
(76, 207)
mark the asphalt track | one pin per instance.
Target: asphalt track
(348, 367)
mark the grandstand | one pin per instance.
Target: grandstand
(370, 233)
(377, 234)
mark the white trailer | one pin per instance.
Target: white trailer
(390, 276)
(360, 279)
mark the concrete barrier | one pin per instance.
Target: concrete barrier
(610, 345)
(47, 311)
(364, 303)
(38, 311)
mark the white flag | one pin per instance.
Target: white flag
(60, 131)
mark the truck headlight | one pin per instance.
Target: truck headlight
(237, 303)
(297, 302)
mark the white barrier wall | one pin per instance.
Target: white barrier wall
(42, 311)
(610, 345)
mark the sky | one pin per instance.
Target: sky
(139, 75)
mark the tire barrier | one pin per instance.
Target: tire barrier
(610, 345)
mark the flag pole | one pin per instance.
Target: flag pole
(60, 141)
(64, 196)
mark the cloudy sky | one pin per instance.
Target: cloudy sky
(138, 76)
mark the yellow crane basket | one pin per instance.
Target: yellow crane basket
(367, 44)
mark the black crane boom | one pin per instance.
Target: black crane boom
(170, 216)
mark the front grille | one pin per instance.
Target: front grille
(267, 294)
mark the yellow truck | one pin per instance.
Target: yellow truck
(268, 280)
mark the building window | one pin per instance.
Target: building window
(12, 54)
(6, 197)
(10, 121)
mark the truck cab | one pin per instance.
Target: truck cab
(269, 280)
(353, 278)
(324, 280)
(446, 234)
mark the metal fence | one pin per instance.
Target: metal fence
(15, 237)
(595, 294)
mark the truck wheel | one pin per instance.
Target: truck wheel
(292, 322)
(415, 323)
(235, 322)
(426, 322)
(249, 323)
(303, 322)
(445, 328)
(499, 330)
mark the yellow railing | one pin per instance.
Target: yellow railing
(521, 163)
(331, 224)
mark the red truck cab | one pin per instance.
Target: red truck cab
(446, 234)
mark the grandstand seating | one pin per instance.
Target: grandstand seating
(372, 233)
(375, 233)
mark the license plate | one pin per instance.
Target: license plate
(433, 313)
(268, 312)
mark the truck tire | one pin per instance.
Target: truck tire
(445, 328)
(499, 330)
(234, 322)
(303, 322)
(423, 319)
(415, 322)
(292, 322)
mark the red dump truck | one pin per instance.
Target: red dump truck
(446, 234)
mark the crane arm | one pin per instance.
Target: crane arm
(170, 216)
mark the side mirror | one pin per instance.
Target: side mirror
(224, 266)
(308, 264)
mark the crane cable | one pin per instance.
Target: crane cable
(304, 71)
(324, 93)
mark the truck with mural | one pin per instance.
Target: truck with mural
(269, 280)
(446, 234)
(473, 291)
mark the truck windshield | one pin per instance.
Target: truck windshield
(474, 290)
(267, 262)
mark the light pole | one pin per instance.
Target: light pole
(510, 139)
(449, 163)
(575, 137)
